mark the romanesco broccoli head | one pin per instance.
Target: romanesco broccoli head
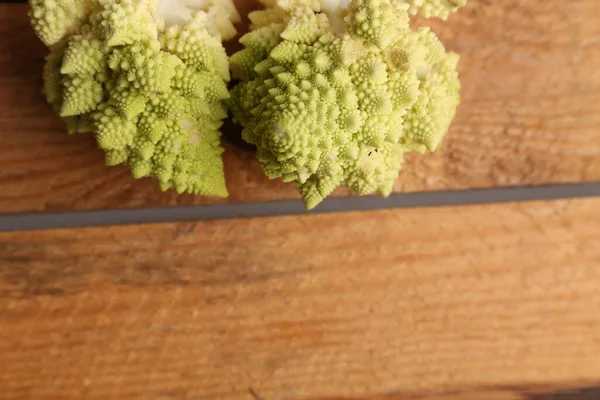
(148, 77)
(335, 92)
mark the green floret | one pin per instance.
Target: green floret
(149, 84)
(336, 96)
(54, 19)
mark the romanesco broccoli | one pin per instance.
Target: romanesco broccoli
(334, 92)
(148, 77)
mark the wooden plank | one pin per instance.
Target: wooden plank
(470, 299)
(529, 116)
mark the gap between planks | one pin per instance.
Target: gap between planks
(35, 221)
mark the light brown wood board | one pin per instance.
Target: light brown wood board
(529, 116)
(479, 299)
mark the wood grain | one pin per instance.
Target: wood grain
(531, 89)
(398, 303)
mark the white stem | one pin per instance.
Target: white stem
(331, 9)
(178, 12)
(221, 14)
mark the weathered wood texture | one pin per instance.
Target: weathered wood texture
(531, 89)
(308, 307)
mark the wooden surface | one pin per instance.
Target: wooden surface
(496, 302)
(531, 89)
(493, 299)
